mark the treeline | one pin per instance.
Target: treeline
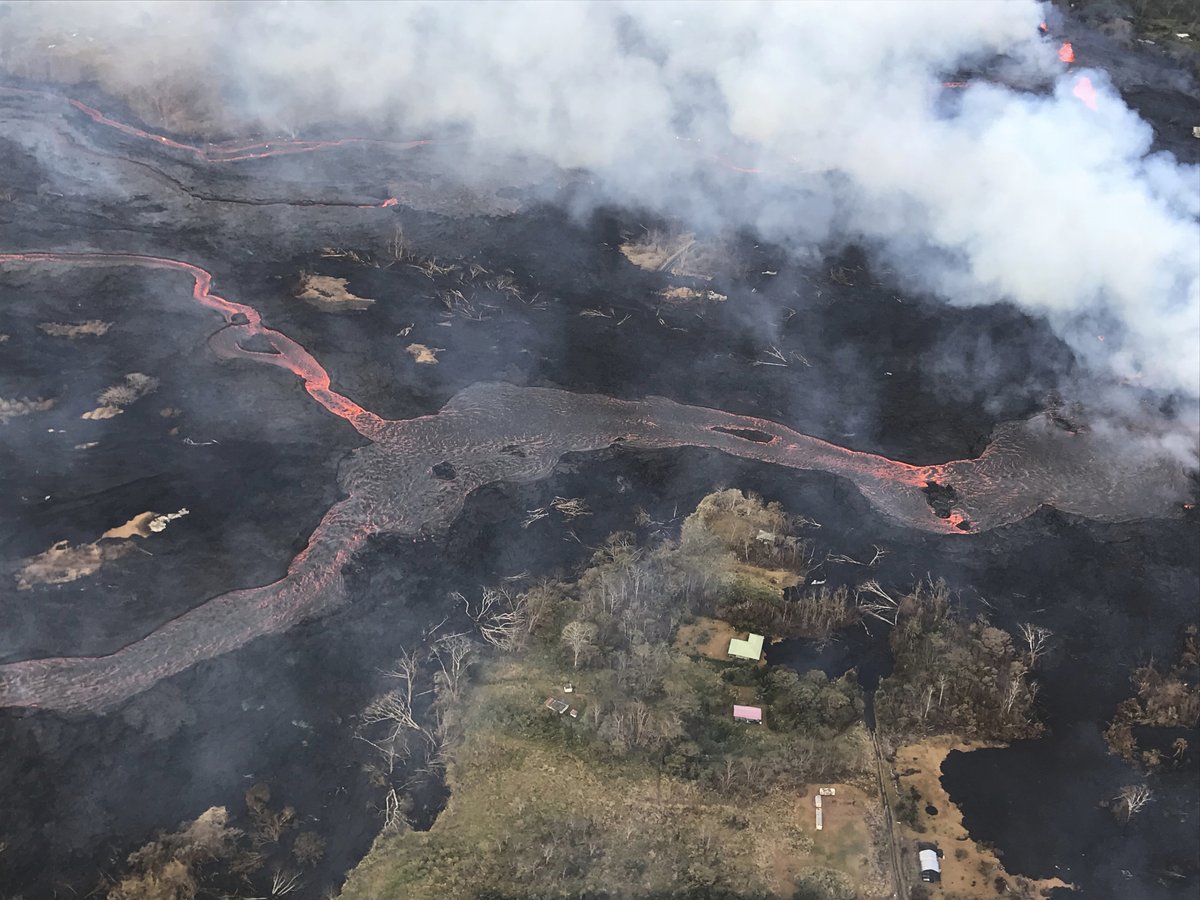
(762, 534)
(757, 532)
(629, 595)
(816, 612)
(272, 855)
(614, 627)
(953, 674)
(1166, 697)
(645, 697)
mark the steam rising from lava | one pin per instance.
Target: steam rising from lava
(1034, 198)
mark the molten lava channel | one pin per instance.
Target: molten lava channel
(414, 475)
(229, 152)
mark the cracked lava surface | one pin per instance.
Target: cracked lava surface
(493, 432)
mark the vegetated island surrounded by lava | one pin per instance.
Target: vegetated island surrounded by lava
(414, 475)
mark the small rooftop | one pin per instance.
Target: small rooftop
(751, 648)
(747, 713)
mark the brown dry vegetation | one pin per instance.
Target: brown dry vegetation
(10, 409)
(65, 562)
(737, 519)
(166, 868)
(652, 786)
(72, 330)
(424, 355)
(770, 560)
(954, 675)
(329, 294)
(679, 294)
(139, 525)
(114, 398)
(957, 684)
(1165, 698)
(680, 255)
(135, 386)
(210, 858)
(102, 412)
(535, 811)
(706, 637)
(144, 524)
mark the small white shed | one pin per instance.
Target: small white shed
(931, 866)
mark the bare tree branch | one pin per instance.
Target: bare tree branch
(1037, 640)
(1132, 798)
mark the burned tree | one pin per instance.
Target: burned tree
(1167, 697)
(394, 711)
(580, 637)
(453, 652)
(1037, 640)
(1131, 800)
(502, 618)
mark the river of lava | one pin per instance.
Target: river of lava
(229, 152)
(242, 323)
(499, 432)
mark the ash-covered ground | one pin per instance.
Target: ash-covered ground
(831, 347)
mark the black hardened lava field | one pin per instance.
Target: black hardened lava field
(276, 404)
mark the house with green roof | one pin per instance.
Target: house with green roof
(751, 648)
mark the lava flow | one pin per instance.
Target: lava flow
(398, 484)
(243, 323)
(229, 152)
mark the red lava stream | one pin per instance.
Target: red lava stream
(498, 432)
(228, 152)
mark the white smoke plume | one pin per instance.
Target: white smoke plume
(1029, 197)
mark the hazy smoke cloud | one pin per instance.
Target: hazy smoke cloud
(1000, 194)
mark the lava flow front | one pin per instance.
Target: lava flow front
(498, 432)
(229, 152)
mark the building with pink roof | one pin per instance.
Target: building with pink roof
(747, 713)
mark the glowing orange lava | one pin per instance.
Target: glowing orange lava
(231, 151)
(1066, 53)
